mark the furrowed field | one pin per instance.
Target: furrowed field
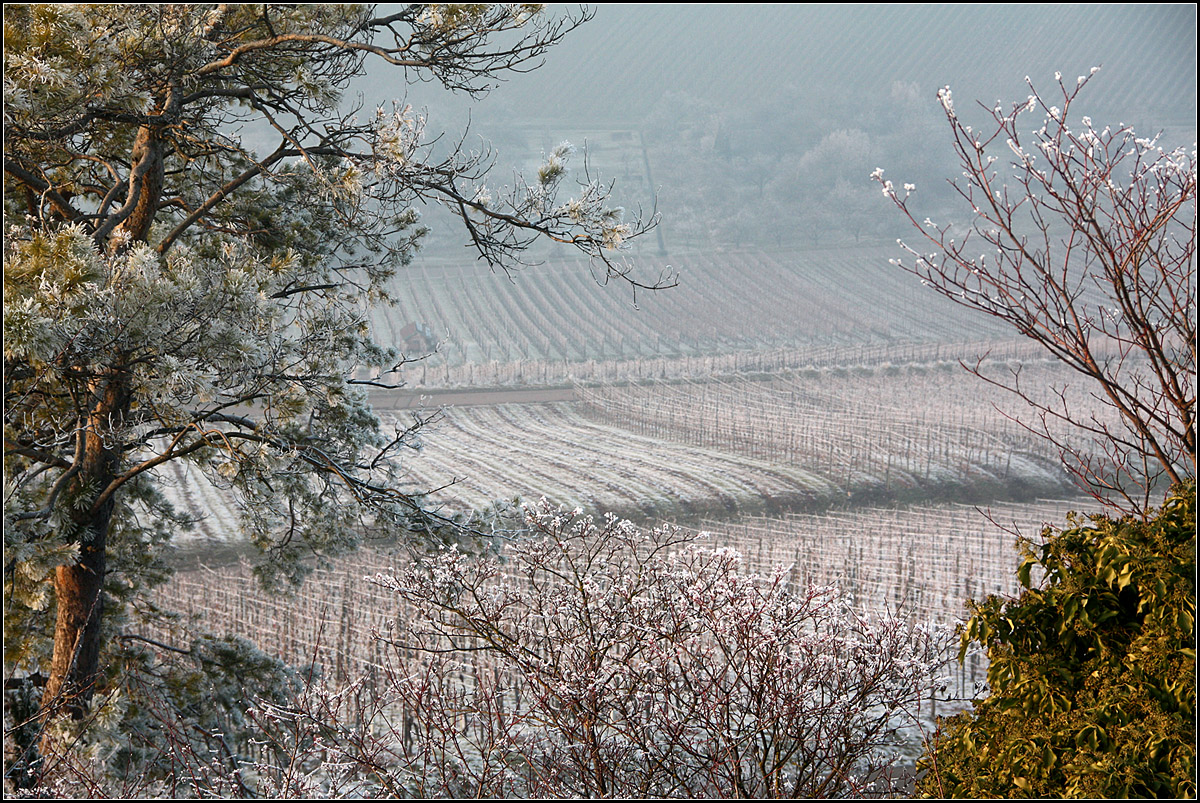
(549, 324)
(843, 445)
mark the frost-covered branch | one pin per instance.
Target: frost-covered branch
(162, 275)
(600, 659)
(1086, 246)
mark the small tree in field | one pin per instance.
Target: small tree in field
(171, 293)
(602, 660)
(1085, 242)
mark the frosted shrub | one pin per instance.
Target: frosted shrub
(176, 726)
(603, 660)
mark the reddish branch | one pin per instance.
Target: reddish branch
(1089, 247)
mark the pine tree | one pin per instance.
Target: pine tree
(172, 293)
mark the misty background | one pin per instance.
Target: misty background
(753, 129)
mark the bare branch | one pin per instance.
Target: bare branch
(1088, 250)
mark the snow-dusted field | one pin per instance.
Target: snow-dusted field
(923, 560)
(542, 325)
(553, 450)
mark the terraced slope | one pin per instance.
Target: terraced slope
(725, 303)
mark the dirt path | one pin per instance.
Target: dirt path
(414, 400)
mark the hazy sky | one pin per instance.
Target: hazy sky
(618, 65)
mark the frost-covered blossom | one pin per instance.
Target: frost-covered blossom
(1146, 143)
(1089, 199)
(555, 166)
(483, 195)
(945, 98)
(614, 235)
(576, 209)
(658, 648)
(398, 135)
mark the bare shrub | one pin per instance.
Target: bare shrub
(603, 660)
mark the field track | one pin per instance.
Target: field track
(413, 400)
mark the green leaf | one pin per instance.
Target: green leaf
(1105, 713)
(1023, 571)
(1124, 578)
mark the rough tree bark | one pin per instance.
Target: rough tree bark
(78, 587)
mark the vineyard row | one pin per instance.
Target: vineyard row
(738, 301)
(922, 561)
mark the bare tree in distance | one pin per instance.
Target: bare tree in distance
(1087, 246)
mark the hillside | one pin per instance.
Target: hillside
(543, 320)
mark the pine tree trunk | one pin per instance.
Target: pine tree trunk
(78, 588)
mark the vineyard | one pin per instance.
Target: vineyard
(842, 443)
(922, 560)
(551, 323)
(494, 453)
(808, 411)
(356, 449)
(833, 470)
(796, 440)
(892, 429)
(554, 451)
(801, 440)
